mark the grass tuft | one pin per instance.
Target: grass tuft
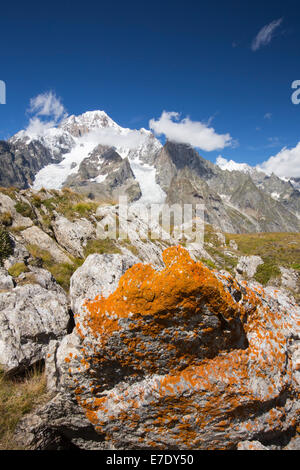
(18, 396)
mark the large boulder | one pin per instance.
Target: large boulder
(30, 316)
(182, 358)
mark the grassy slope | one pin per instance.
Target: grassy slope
(18, 396)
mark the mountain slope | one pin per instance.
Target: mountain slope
(96, 157)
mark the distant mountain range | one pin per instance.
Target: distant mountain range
(93, 155)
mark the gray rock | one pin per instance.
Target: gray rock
(20, 253)
(36, 236)
(247, 266)
(6, 281)
(73, 236)
(7, 205)
(99, 275)
(58, 425)
(294, 444)
(30, 316)
(290, 279)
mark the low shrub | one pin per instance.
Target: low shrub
(24, 209)
(6, 245)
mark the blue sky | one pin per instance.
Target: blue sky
(136, 59)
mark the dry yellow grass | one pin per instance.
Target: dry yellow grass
(18, 396)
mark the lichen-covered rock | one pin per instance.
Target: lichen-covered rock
(251, 445)
(247, 266)
(30, 316)
(184, 358)
(73, 236)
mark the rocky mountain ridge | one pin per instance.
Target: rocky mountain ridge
(96, 157)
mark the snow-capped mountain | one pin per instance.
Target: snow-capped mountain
(231, 165)
(73, 142)
(93, 155)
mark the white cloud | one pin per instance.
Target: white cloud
(268, 116)
(47, 104)
(48, 107)
(285, 163)
(265, 35)
(190, 132)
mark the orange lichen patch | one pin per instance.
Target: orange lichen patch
(178, 334)
(148, 300)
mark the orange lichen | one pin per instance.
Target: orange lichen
(183, 324)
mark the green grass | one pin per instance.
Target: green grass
(265, 272)
(208, 263)
(18, 396)
(85, 209)
(296, 266)
(24, 209)
(101, 246)
(17, 269)
(62, 272)
(69, 204)
(279, 249)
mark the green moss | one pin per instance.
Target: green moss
(17, 269)
(101, 246)
(6, 245)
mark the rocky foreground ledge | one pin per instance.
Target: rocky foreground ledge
(178, 358)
